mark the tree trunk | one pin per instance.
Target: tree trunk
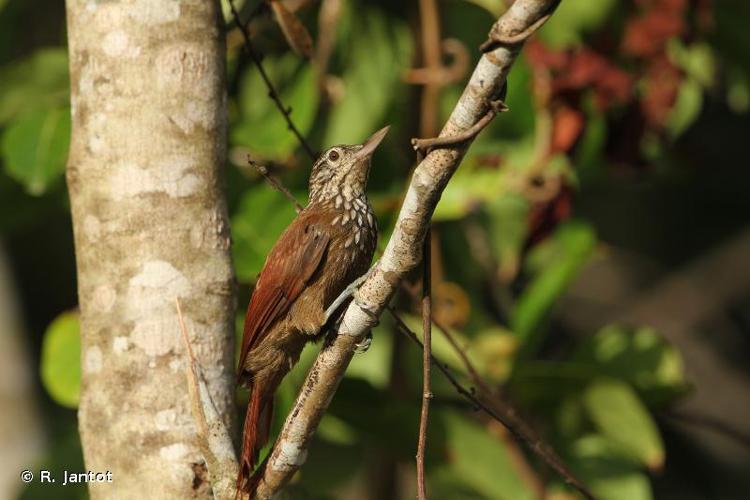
(148, 146)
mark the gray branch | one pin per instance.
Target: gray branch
(403, 252)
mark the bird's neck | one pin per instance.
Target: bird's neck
(340, 197)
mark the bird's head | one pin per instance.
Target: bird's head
(344, 169)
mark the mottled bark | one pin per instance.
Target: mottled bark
(144, 174)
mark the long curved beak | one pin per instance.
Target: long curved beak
(369, 146)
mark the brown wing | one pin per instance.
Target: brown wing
(289, 267)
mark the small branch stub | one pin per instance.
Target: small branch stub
(424, 145)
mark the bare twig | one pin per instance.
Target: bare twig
(401, 255)
(510, 420)
(430, 32)
(275, 183)
(710, 423)
(426, 361)
(498, 410)
(213, 436)
(272, 92)
(496, 107)
(328, 16)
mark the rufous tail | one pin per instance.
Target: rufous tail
(254, 437)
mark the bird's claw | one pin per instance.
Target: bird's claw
(363, 345)
(348, 292)
(368, 309)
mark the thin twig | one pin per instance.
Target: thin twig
(523, 468)
(501, 412)
(710, 423)
(275, 183)
(213, 437)
(496, 107)
(272, 92)
(426, 361)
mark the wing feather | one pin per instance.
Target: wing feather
(289, 267)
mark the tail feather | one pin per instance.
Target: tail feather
(255, 435)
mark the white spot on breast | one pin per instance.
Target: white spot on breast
(369, 218)
(348, 242)
(339, 201)
(348, 204)
(345, 219)
(359, 219)
(335, 220)
(352, 214)
(357, 236)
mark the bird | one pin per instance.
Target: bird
(316, 260)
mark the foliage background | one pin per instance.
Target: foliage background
(619, 165)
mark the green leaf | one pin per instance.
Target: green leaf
(260, 219)
(375, 60)
(447, 484)
(36, 83)
(620, 416)
(261, 127)
(640, 357)
(397, 421)
(572, 245)
(482, 461)
(738, 90)
(686, 108)
(468, 188)
(697, 60)
(441, 348)
(226, 9)
(609, 477)
(508, 230)
(61, 359)
(589, 156)
(336, 431)
(573, 19)
(472, 186)
(495, 350)
(35, 147)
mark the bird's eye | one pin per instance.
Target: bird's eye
(333, 155)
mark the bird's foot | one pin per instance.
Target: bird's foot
(368, 309)
(345, 295)
(363, 345)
